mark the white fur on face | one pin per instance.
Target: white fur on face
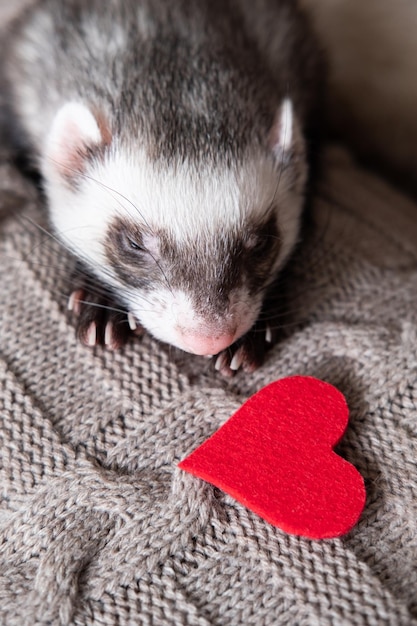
(192, 205)
(170, 316)
(189, 205)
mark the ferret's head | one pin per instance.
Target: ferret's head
(190, 249)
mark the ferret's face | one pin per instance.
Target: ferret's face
(190, 251)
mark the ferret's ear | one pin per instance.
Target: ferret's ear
(285, 138)
(75, 137)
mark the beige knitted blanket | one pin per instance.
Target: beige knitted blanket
(99, 526)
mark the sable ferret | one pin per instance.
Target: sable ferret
(172, 140)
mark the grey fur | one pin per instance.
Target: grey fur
(198, 79)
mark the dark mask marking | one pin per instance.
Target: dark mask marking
(125, 250)
(208, 272)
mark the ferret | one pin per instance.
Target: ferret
(172, 140)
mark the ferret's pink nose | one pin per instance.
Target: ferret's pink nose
(206, 345)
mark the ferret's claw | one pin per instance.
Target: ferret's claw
(100, 320)
(109, 336)
(247, 353)
(74, 301)
(132, 321)
(268, 334)
(237, 360)
(71, 299)
(219, 361)
(91, 335)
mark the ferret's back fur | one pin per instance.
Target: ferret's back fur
(250, 52)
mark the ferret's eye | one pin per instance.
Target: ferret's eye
(134, 245)
(261, 245)
(258, 245)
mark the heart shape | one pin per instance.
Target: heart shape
(275, 456)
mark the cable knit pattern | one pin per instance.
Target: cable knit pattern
(99, 526)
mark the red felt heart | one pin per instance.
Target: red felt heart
(275, 455)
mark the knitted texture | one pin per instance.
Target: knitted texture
(97, 523)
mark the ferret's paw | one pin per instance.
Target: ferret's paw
(100, 321)
(247, 354)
